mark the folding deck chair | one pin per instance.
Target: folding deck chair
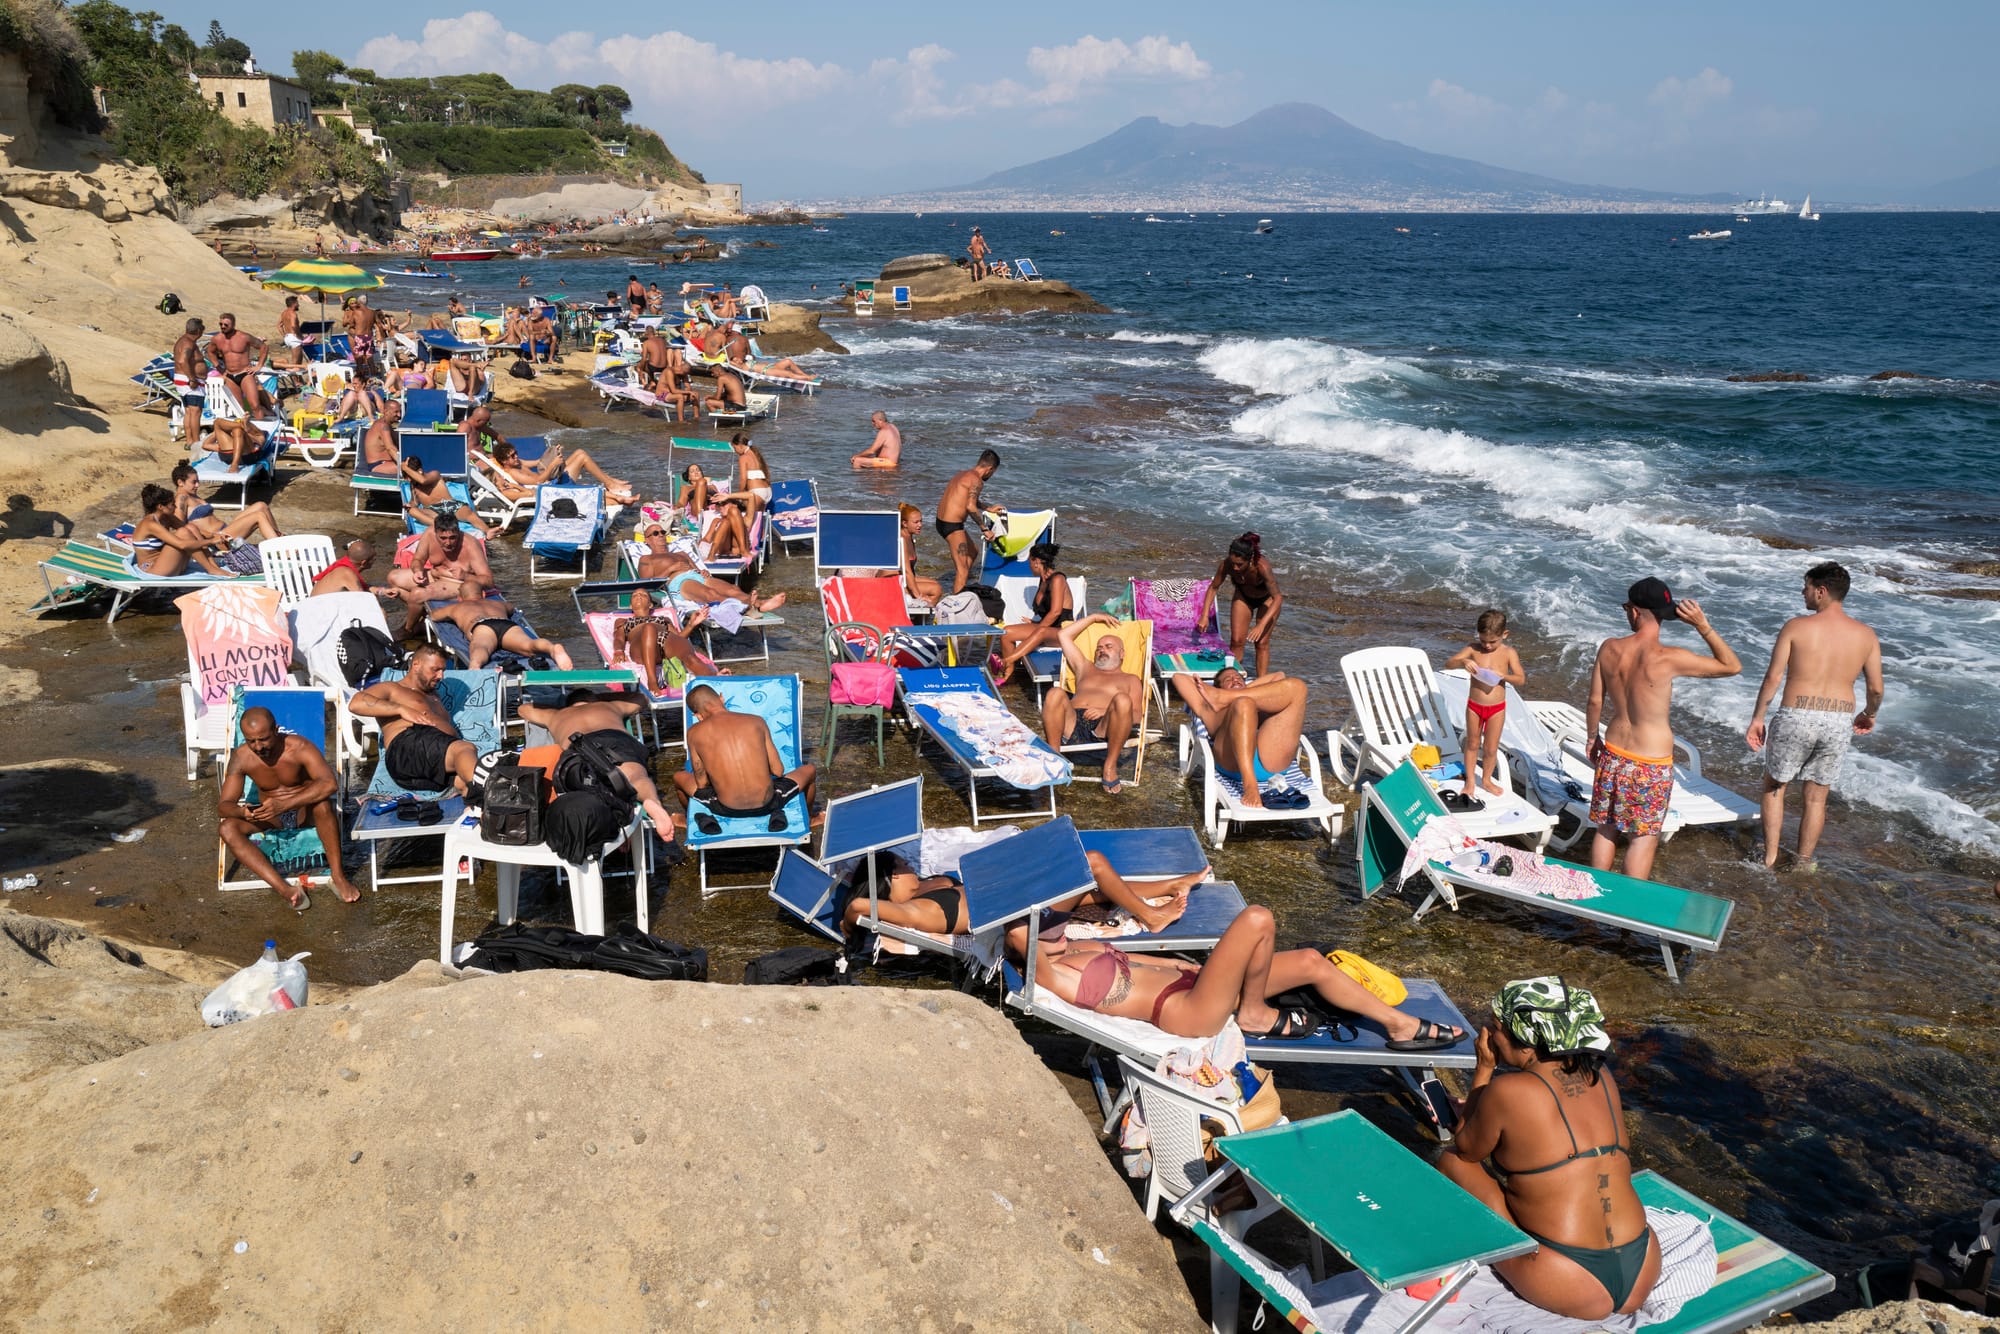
(1138, 640)
(473, 701)
(291, 564)
(489, 501)
(794, 512)
(601, 624)
(1023, 875)
(80, 572)
(1026, 270)
(757, 624)
(1398, 706)
(216, 471)
(778, 701)
(316, 627)
(557, 539)
(156, 380)
(878, 603)
(958, 708)
(1017, 595)
(296, 854)
(1397, 806)
(428, 412)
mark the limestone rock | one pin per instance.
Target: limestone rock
(30, 374)
(911, 265)
(939, 286)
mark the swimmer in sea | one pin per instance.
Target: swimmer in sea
(1494, 667)
(886, 449)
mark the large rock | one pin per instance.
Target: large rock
(909, 266)
(31, 377)
(938, 286)
(572, 1150)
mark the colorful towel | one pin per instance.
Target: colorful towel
(236, 635)
(805, 516)
(996, 738)
(1444, 841)
(1173, 605)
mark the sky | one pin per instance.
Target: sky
(815, 101)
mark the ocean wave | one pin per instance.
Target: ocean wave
(871, 346)
(1400, 497)
(1297, 365)
(1141, 362)
(1136, 336)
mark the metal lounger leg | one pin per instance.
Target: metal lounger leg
(1459, 1278)
(1430, 902)
(1667, 954)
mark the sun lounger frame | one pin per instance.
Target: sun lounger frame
(971, 680)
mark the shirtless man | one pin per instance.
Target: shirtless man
(962, 498)
(602, 717)
(1253, 614)
(1105, 704)
(487, 621)
(735, 769)
(652, 360)
(542, 335)
(295, 787)
(190, 376)
(645, 640)
(978, 249)
(1816, 659)
(288, 331)
(517, 478)
(686, 582)
(359, 320)
(421, 747)
(349, 573)
(937, 903)
(431, 499)
(380, 454)
(1635, 675)
(886, 449)
(440, 563)
(1253, 725)
(477, 428)
(729, 393)
(235, 348)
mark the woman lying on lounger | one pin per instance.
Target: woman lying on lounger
(233, 439)
(937, 903)
(163, 545)
(647, 641)
(1053, 609)
(518, 479)
(1557, 1109)
(686, 582)
(1195, 1001)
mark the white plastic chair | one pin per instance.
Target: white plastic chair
(290, 563)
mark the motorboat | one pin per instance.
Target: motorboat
(1706, 235)
(463, 256)
(1741, 218)
(1265, 227)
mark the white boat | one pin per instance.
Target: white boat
(1806, 213)
(1705, 235)
(1265, 227)
(1741, 218)
(1150, 218)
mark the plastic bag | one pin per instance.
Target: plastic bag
(267, 985)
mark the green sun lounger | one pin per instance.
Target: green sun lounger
(1394, 810)
(80, 572)
(1755, 1277)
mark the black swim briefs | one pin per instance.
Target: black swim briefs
(1083, 731)
(617, 745)
(783, 789)
(416, 759)
(945, 530)
(500, 628)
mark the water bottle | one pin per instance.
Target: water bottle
(1246, 1079)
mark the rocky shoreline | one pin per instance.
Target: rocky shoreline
(940, 286)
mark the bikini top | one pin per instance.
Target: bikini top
(1575, 1154)
(1044, 594)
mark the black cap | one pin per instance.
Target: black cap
(1653, 595)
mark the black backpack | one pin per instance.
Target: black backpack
(365, 653)
(515, 798)
(578, 824)
(586, 767)
(799, 966)
(990, 600)
(170, 304)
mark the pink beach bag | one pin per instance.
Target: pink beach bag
(867, 684)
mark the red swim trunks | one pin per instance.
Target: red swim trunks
(1630, 793)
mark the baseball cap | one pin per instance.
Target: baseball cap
(1653, 595)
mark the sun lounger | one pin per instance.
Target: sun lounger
(80, 572)
(551, 539)
(1025, 269)
(733, 568)
(777, 700)
(601, 624)
(1395, 809)
(296, 854)
(316, 626)
(961, 711)
(473, 701)
(756, 407)
(857, 540)
(1007, 548)
(1017, 595)
(216, 471)
(1546, 748)
(458, 645)
(427, 412)
(156, 380)
(794, 512)
(490, 501)
(755, 624)
(1398, 706)
(1222, 793)
(442, 452)
(291, 563)
(1138, 639)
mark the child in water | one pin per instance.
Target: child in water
(1494, 667)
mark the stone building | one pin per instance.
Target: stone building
(258, 99)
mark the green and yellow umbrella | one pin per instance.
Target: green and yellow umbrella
(322, 276)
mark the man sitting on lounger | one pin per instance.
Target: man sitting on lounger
(736, 769)
(1253, 726)
(440, 563)
(518, 479)
(378, 443)
(1195, 1000)
(1105, 703)
(488, 622)
(295, 788)
(686, 582)
(421, 746)
(652, 360)
(349, 574)
(937, 903)
(728, 396)
(648, 641)
(601, 717)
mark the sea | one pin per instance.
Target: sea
(1427, 415)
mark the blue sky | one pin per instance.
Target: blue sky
(815, 99)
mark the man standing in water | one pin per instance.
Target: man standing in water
(1635, 674)
(1817, 657)
(961, 499)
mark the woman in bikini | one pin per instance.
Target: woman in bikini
(937, 903)
(1253, 614)
(518, 478)
(1195, 1000)
(1493, 666)
(163, 545)
(1598, 1255)
(646, 640)
(925, 590)
(1053, 609)
(727, 535)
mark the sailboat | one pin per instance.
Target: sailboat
(1806, 213)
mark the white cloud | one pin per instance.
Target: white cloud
(694, 71)
(1691, 96)
(1461, 103)
(1070, 72)
(921, 85)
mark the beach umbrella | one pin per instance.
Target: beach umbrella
(322, 276)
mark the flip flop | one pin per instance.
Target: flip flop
(1292, 1025)
(1431, 1036)
(305, 899)
(707, 824)
(1112, 786)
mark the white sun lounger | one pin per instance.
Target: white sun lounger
(290, 563)
(1222, 793)
(316, 626)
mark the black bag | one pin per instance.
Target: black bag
(521, 370)
(515, 797)
(799, 966)
(1961, 1261)
(628, 951)
(365, 653)
(170, 304)
(586, 766)
(990, 600)
(578, 824)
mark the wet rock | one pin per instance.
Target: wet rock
(1771, 377)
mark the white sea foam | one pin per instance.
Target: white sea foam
(1296, 365)
(1138, 336)
(1142, 362)
(871, 346)
(1400, 497)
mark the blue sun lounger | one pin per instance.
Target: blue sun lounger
(458, 645)
(794, 512)
(1022, 876)
(442, 452)
(778, 701)
(1395, 809)
(925, 694)
(560, 540)
(296, 854)
(473, 701)
(857, 540)
(424, 409)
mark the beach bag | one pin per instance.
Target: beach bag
(586, 767)
(863, 684)
(521, 370)
(515, 798)
(1384, 985)
(1961, 1261)
(991, 602)
(365, 653)
(959, 609)
(170, 304)
(578, 824)
(799, 966)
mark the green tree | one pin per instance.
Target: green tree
(216, 36)
(177, 46)
(612, 101)
(316, 71)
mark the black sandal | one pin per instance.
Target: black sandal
(1431, 1036)
(1291, 1025)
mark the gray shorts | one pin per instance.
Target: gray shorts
(1806, 743)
